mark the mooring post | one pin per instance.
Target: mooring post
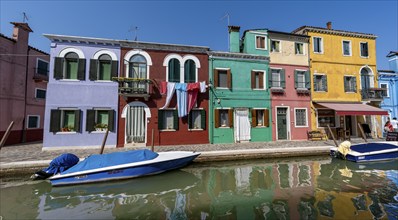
(104, 141)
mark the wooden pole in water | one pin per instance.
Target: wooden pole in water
(362, 133)
(152, 146)
(104, 141)
(331, 134)
(3, 140)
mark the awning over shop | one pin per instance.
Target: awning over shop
(353, 108)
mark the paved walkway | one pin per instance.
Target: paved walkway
(31, 156)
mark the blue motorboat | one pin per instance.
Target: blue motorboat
(122, 165)
(367, 152)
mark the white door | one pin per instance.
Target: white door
(135, 125)
(242, 125)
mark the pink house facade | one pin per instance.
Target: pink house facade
(23, 83)
(289, 83)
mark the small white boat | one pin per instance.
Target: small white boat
(367, 152)
(122, 165)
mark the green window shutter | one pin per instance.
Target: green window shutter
(77, 120)
(355, 83)
(55, 120)
(176, 119)
(325, 79)
(283, 83)
(295, 79)
(81, 69)
(269, 78)
(307, 80)
(203, 119)
(111, 120)
(90, 122)
(59, 68)
(190, 124)
(160, 119)
(93, 69)
(114, 69)
(346, 83)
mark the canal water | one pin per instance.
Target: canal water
(298, 188)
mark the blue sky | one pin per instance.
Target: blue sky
(199, 22)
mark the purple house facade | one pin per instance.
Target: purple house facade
(82, 99)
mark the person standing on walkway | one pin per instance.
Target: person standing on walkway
(388, 126)
(394, 124)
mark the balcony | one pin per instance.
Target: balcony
(134, 87)
(40, 75)
(373, 94)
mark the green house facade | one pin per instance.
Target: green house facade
(239, 100)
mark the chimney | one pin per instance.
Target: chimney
(329, 25)
(21, 31)
(234, 42)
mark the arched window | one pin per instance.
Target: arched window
(70, 67)
(366, 78)
(104, 67)
(137, 67)
(189, 71)
(174, 70)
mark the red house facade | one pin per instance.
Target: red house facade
(163, 99)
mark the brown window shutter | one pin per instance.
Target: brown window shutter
(231, 118)
(261, 78)
(266, 117)
(254, 118)
(215, 77)
(216, 118)
(253, 80)
(229, 79)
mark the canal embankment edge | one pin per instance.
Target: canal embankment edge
(25, 167)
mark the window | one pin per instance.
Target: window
(100, 119)
(346, 48)
(301, 117)
(189, 71)
(69, 67)
(260, 42)
(40, 94)
(320, 83)
(350, 84)
(137, 67)
(384, 92)
(275, 46)
(223, 118)
(65, 120)
(168, 119)
(260, 118)
(257, 80)
(197, 119)
(222, 78)
(104, 68)
(33, 121)
(299, 48)
(277, 78)
(326, 117)
(302, 79)
(174, 70)
(42, 67)
(318, 44)
(364, 49)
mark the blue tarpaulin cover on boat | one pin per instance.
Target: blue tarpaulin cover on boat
(62, 163)
(112, 159)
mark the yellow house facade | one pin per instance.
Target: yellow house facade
(344, 84)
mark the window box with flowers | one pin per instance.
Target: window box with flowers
(101, 127)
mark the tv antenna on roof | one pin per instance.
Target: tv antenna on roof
(135, 29)
(25, 17)
(223, 17)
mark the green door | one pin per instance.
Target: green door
(281, 123)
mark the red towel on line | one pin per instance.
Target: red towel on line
(163, 88)
(193, 89)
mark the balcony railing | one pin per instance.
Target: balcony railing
(134, 87)
(373, 94)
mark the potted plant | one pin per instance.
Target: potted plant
(68, 128)
(101, 127)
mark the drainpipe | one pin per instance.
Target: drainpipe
(25, 96)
